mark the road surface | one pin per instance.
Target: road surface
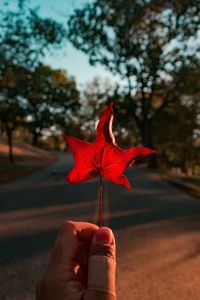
(157, 229)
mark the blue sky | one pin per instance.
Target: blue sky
(74, 61)
(68, 58)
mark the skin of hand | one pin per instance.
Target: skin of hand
(81, 266)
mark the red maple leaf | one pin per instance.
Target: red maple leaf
(102, 157)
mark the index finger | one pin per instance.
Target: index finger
(69, 236)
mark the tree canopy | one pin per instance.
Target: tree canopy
(25, 38)
(52, 100)
(147, 43)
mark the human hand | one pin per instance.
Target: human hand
(81, 266)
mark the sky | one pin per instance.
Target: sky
(73, 61)
(67, 58)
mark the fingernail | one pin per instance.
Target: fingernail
(104, 236)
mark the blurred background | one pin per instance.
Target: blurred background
(61, 63)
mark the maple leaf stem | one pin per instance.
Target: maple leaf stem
(100, 199)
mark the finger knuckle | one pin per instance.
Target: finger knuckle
(66, 226)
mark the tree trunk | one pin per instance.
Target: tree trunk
(1, 129)
(147, 141)
(35, 137)
(10, 145)
(184, 160)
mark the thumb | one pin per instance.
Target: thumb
(102, 266)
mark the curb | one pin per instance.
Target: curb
(187, 187)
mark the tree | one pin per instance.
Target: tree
(12, 103)
(94, 99)
(53, 99)
(25, 38)
(178, 149)
(146, 43)
(181, 123)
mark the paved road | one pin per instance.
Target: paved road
(157, 229)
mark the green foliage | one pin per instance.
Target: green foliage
(147, 43)
(12, 102)
(174, 136)
(52, 100)
(94, 99)
(25, 38)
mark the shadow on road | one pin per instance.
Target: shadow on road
(46, 205)
(25, 246)
(45, 195)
